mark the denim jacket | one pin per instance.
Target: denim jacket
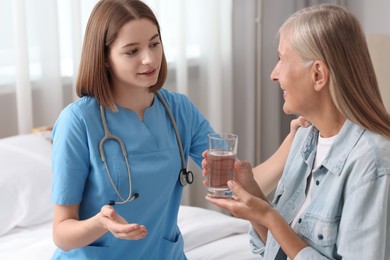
(349, 215)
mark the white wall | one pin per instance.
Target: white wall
(274, 123)
(379, 46)
(244, 76)
(374, 16)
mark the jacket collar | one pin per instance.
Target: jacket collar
(347, 138)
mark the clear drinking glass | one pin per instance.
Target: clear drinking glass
(222, 153)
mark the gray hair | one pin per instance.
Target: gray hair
(332, 34)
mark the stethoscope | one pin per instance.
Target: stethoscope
(185, 177)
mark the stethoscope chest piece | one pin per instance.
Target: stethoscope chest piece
(186, 177)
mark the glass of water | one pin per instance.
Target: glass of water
(222, 153)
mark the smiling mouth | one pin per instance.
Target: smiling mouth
(148, 72)
(284, 92)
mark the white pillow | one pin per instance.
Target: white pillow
(25, 181)
(202, 226)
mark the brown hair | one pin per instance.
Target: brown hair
(332, 34)
(107, 18)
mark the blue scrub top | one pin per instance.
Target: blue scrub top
(80, 177)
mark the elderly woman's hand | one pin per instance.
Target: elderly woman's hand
(244, 205)
(242, 174)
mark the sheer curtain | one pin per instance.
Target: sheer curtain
(41, 45)
(39, 53)
(198, 44)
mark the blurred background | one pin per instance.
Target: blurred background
(220, 53)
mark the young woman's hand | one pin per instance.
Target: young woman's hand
(119, 227)
(242, 174)
(298, 122)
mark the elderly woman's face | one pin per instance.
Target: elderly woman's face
(295, 79)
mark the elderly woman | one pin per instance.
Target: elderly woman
(332, 201)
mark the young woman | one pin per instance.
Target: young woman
(332, 201)
(122, 70)
(118, 144)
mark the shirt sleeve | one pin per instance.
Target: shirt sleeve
(364, 231)
(257, 245)
(309, 253)
(200, 128)
(191, 123)
(70, 159)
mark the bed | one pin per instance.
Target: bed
(25, 218)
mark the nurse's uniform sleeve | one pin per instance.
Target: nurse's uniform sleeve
(200, 128)
(70, 158)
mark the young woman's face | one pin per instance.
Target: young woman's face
(134, 58)
(294, 77)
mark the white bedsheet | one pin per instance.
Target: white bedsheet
(25, 227)
(207, 235)
(233, 247)
(33, 243)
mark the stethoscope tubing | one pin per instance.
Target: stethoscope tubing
(109, 136)
(183, 161)
(185, 177)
